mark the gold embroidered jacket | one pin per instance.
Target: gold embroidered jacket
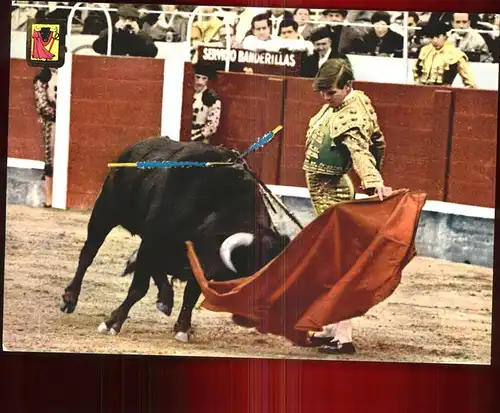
(440, 67)
(346, 137)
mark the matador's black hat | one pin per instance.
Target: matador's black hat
(205, 69)
(437, 28)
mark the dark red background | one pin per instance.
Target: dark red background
(73, 384)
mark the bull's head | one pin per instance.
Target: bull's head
(244, 253)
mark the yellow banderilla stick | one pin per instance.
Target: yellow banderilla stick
(134, 164)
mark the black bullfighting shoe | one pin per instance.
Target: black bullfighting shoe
(335, 347)
(316, 341)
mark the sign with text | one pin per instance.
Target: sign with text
(283, 63)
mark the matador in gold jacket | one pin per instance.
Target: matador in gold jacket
(343, 135)
(439, 62)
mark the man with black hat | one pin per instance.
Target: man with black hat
(322, 41)
(439, 62)
(206, 104)
(128, 38)
(344, 135)
(345, 39)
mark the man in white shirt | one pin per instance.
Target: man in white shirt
(290, 38)
(261, 34)
(464, 38)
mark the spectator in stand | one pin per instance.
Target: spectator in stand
(244, 22)
(148, 15)
(413, 20)
(333, 15)
(222, 36)
(345, 39)
(260, 37)
(464, 37)
(20, 15)
(301, 16)
(323, 51)
(491, 21)
(127, 38)
(415, 34)
(196, 40)
(381, 40)
(289, 29)
(290, 38)
(45, 92)
(276, 16)
(206, 104)
(170, 26)
(95, 21)
(208, 25)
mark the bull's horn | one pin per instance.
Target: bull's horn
(230, 243)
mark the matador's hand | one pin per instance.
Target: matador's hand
(383, 192)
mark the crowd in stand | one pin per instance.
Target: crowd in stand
(346, 31)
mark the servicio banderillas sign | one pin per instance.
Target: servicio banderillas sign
(280, 59)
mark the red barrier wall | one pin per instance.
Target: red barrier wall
(115, 102)
(435, 136)
(440, 140)
(473, 148)
(413, 119)
(25, 137)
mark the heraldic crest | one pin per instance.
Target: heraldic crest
(45, 43)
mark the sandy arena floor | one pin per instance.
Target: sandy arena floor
(441, 312)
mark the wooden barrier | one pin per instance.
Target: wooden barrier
(114, 103)
(441, 140)
(410, 117)
(473, 148)
(25, 135)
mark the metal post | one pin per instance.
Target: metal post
(405, 46)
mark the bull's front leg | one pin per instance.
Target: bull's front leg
(148, 265)
(182, 327)
(101, 222)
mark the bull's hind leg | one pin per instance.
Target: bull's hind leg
(101, 222)
(192, 293)
(165, 297)
(148, 265)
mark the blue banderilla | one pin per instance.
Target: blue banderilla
(189, 164)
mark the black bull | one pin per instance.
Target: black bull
(218, 208)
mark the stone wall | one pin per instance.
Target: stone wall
(440, 235)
